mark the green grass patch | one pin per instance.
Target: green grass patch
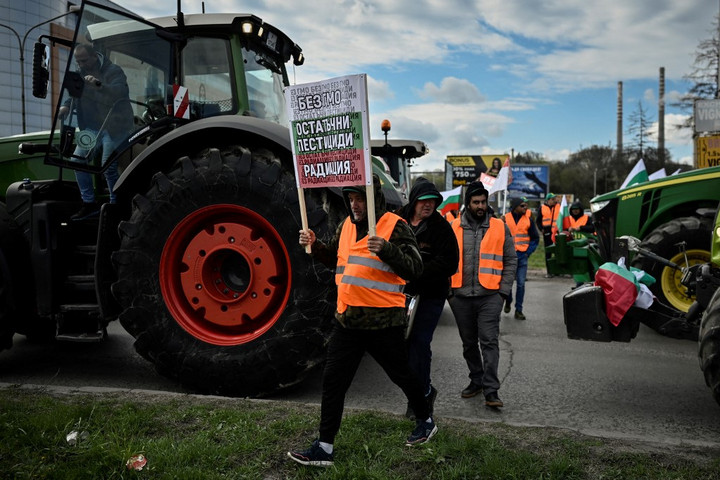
(537, 259)
(195, 437)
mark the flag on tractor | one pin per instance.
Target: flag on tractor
(451, 200)
(561, 217)
(620, 288)
(637, 175)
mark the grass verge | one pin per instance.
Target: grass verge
(196, 437)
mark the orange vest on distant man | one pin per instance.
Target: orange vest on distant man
(550, 216)
(520, 231)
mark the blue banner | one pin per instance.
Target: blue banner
(529, 181)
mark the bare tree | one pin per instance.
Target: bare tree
(703, 77)
(639, 125)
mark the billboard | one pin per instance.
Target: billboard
(463, 169)
(530, 181)
(708, 151)
(707, 115)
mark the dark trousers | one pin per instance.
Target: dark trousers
(478, 321)
(547, 241)
(345, 351)
(421, 335)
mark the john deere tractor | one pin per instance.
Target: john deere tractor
(198, 256)
(672, 216)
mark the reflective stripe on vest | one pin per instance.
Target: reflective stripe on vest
(363, 279)
(490, 265)
(520, 231)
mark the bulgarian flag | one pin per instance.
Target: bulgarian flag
(637, 175)
(451, 200)
(620, 288)
(561, 217)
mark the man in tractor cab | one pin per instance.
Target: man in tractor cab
(105, 117)
(371, 272)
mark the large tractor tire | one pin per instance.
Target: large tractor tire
(215, 288)
(709, 343)
(665, 241)
(16, 286)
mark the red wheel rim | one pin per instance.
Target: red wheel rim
(225, 274)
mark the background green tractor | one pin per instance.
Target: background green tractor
(198, 258)
(672, 216)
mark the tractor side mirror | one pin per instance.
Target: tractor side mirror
(41, 73)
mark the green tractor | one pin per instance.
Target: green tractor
(670, 229)
(198, 255)
(672, 216)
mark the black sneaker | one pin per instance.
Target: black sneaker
(519, 315)
(423, 432)
(315, 456)
(430, 398)
(86, 211)
(492, 400)
(506, 309)
(471, 390)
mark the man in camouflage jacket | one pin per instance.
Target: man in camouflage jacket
(379, 331)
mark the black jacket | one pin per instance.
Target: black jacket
(438, 246)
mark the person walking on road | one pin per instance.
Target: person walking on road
(484, 280)
(526, 239)
(439, 252)
(371, 317)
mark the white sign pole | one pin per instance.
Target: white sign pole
(370, 194)
(303, 215)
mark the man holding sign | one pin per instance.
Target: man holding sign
(371, 271)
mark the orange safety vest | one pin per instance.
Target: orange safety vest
(449, 217)
(363, 280)
(520, 231)
(550, 216)
(491, 255)
(570, 222)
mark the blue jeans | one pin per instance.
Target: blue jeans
(520, 275)
(418, 343)
(478, 320)
(85, 179)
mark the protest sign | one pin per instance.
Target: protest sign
(329, 130)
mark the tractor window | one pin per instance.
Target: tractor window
(208, 77)
(147, 84)
(265, 88)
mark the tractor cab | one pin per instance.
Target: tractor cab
(129, 80)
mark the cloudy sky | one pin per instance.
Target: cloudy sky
(489, 76)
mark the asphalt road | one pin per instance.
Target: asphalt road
(650, 389)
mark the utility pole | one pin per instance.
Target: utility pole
(661, 118)
(619, 120)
